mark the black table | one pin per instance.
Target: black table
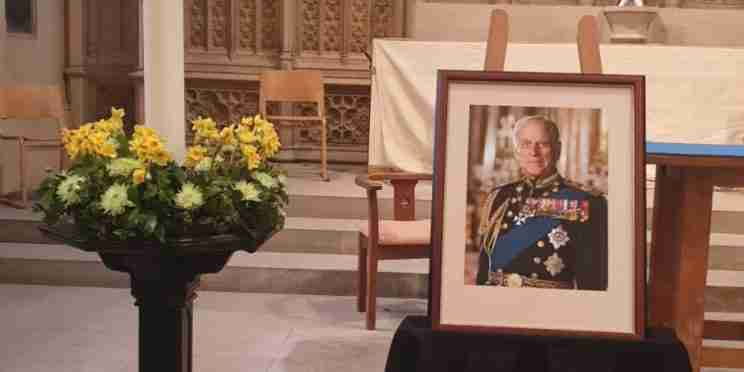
(416, 347)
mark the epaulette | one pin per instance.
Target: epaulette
(487, 206)
(585, 188)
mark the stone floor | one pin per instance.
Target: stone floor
(85, 329)
(75, 329)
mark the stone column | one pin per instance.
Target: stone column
(164, 72)
(289, 34)
(81, 90)
(3, 62)
(138, 74)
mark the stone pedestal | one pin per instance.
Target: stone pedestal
(164, 280)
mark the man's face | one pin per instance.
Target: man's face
(535, 153)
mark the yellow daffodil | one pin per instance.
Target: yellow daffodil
(194, 155)
(252, 158)
(246, 135)
(227, 136)
(138, 176)
(148, 147)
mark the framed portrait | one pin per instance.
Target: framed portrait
(538, 214)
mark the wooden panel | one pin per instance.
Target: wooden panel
(696, 161)
(679, 260)
(719, 357)
(723, 330)
(664, 262)
(405, 201)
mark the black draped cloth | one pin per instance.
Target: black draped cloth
(416, 347)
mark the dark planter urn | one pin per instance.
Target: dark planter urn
(164, 279)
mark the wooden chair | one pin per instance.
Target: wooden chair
(401, 238)
(28, 103)
(296, 86)
(404, 236)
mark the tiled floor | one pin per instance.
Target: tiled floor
(95, 329)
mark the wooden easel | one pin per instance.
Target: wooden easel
(498, 35)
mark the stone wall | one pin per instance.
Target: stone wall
(557, 24)
(229, 42)
(22, 53)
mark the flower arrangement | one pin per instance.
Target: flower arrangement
(121, 187)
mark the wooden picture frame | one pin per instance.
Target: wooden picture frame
(580, 237)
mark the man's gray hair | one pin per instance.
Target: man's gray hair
(549, 125)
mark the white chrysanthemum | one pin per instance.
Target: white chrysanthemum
(282, 180)
(204, 165)
(69, 189)
(189, 197)
(115, 200)
(249, 192)
(265, 180)
(123, 167)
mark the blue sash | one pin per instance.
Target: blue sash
(523, 236)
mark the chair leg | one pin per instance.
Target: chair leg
(362, 275)
(324, 151)
(22, 171)
(371, 286)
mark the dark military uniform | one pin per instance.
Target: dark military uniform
(546, 234)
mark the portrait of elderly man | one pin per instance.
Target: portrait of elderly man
(542, 230)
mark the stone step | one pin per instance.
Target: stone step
(270, 272)
(340, 237)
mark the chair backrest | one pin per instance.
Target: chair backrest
(34, 111)
(291, 86)
(30, 102)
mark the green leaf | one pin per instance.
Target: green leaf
(160, 233)
(151, 223)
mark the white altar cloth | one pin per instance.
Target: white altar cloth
(693, 95)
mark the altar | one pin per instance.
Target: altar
(693, 95)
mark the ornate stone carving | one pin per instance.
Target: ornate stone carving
(311, 25)
(247, 25)
(198, 31)
(332, 26)
(270, 25)
(382, 18)
(218, 23)
(359, 26)
(347, 119)
(223, 105)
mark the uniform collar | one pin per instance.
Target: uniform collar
(540, 183)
